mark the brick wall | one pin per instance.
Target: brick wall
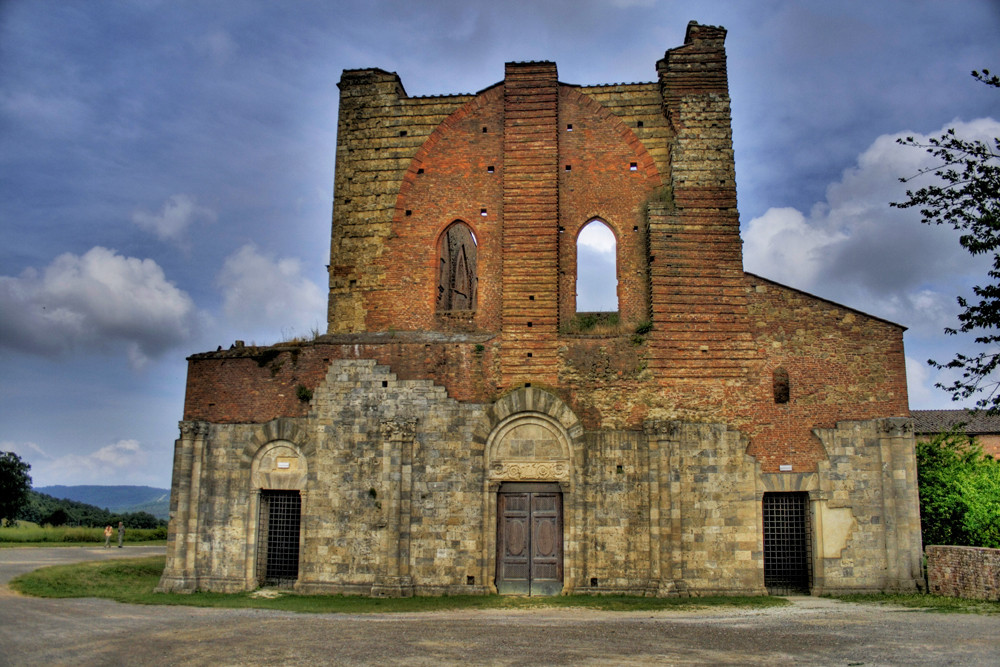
(841, 364)
(964, 572)
(407, 168)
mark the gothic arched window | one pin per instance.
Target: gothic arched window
(457, 271)
(596, 268)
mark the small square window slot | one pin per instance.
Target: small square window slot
(482, 212)
(635, 228)
(385, 383)
(529, 325)
(529, 355)
(531, 297)
(485, 129)
(402, 133)
(527, 384)
(489, 169)
(639, 124)
(470, 580)
(420, 171)
(593, 582)
(409, 212)
(569, 167)
(633, 166)
(569, 128)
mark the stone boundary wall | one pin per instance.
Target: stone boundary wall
(964, 572)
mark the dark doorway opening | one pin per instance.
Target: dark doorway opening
(787, 552)
(278, 537)
(529, 539)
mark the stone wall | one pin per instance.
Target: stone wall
(964, 572)
(398, 483)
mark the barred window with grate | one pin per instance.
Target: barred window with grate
(278, 536)
(787, 553)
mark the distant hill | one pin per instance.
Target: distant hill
(115, 498)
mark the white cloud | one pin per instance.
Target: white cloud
(94, 301)
(177, 214)
(920, 385)
(597, 237)
(854, 248)
(262, 293)
(125, 459)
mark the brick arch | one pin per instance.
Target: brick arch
(446, 180)
(492, 95)
(587, 220)
(600, 185)
(645, 163)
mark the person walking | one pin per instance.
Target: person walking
(107, 536)
(121, 533)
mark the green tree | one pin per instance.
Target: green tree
(959, 492)
(15, 482)
(982, 493)
(966, 196)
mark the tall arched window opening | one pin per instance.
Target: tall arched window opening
(457, 269)
(596, 269)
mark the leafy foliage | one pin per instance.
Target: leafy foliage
(959, 492)
(967, 197)
(15, 483)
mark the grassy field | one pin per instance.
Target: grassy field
(132, 580)
(27, 534)
(925, 602)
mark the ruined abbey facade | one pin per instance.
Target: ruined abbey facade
(462, 428)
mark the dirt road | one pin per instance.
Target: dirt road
(810, 632)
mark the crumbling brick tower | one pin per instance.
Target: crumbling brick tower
(460, 429)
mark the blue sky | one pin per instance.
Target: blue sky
(166, 174)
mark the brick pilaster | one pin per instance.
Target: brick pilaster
(530, 223)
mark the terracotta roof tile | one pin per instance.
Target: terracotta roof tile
(939, 421)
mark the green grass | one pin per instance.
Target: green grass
(27, 534)
(599, 324)
(924, 602)
(132, 580)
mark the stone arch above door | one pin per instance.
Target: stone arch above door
(531, 438)
(279, 465)
(528, 446)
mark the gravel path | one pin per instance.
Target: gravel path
(812, 631)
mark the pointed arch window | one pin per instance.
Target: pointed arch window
(596, 268)
(457, 269)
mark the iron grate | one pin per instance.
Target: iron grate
(278, 537)
(786, 543)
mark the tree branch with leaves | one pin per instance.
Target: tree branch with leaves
(15, 482)
(966, 197)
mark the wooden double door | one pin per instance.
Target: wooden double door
(529, 539)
